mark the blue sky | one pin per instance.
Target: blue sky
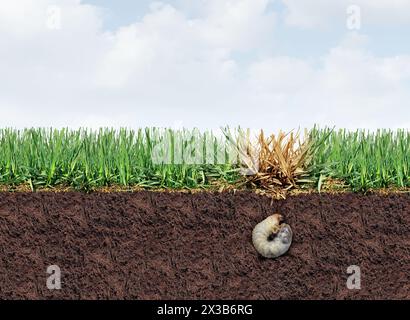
(204, 63)
(121, 12)
(384, 39)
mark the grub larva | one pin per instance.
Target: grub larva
(270, 238)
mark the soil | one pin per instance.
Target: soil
(151, 245)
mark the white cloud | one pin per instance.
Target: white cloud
(166, 39)
(237, 24)
(352, 88)
(170, 68)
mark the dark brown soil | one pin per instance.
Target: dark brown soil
(149, 245)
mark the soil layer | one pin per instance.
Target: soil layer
(150, 245)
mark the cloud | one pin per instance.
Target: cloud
(351, 88)
(167, 39)
(174, 67)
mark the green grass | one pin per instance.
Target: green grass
(86, 160)
(363, 160)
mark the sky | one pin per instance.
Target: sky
(271, 64)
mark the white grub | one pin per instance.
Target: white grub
(270, 238)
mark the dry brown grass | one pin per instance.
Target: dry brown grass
(275, 163)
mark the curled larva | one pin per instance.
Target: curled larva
(270, 238)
